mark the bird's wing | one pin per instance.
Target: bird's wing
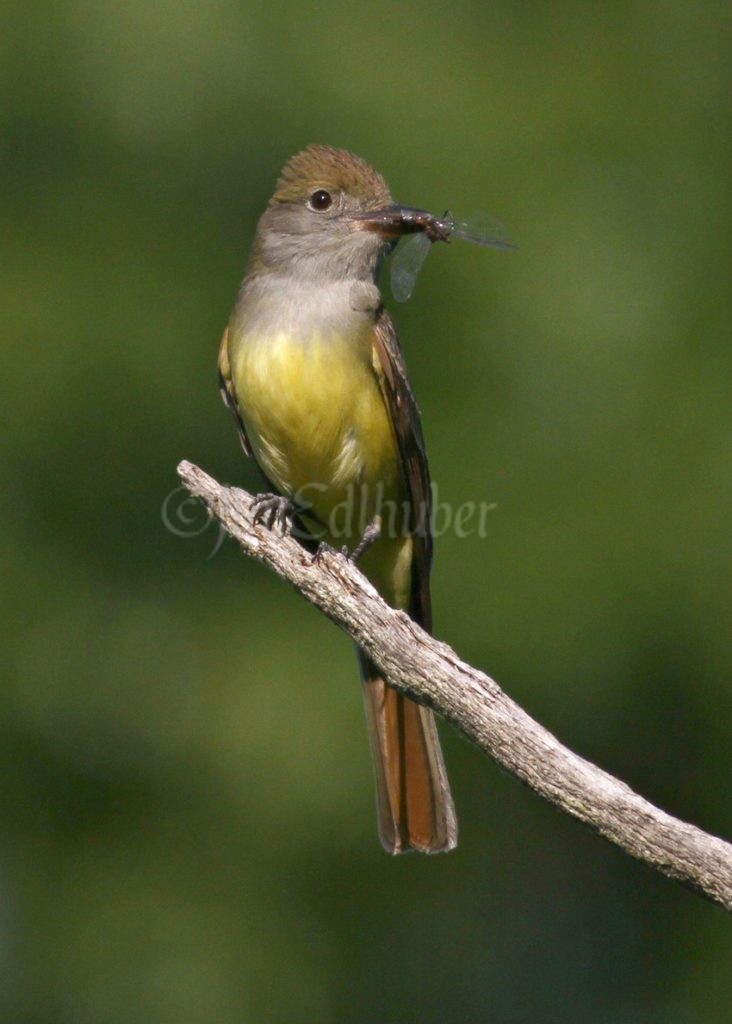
(391, 371)
(226, 387)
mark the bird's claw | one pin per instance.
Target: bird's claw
(324, 548)
(274, 509)
(370, 534)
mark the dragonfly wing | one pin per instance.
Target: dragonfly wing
(482, 229)
(406, 264)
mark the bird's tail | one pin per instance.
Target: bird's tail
(413, 799)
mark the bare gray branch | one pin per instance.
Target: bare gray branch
(431, 672)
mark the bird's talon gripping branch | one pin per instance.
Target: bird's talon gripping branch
(274, 509)
(323, 548)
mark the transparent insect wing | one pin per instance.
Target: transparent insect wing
(406, 264)
(482, 229)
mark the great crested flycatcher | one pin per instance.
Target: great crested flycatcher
(311, 367)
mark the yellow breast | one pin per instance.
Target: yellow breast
(315, 417)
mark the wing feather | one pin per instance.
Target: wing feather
(391, 370)
(226, 387)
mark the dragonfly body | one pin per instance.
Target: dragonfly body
(481, 229)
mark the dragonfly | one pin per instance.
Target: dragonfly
(406, 263)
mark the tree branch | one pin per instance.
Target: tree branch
(432, 673)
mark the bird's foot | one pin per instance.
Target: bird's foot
(324, 548)
(274, 509)
(370, 535)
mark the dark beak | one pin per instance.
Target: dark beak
(394, 221)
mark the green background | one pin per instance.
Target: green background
(187, 828)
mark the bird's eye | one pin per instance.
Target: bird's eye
(320, 200)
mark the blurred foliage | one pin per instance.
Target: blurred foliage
(187, 824)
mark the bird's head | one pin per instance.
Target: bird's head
(331, 217)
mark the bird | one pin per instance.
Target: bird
(311, 367)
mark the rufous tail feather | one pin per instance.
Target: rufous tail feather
(413, 799)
